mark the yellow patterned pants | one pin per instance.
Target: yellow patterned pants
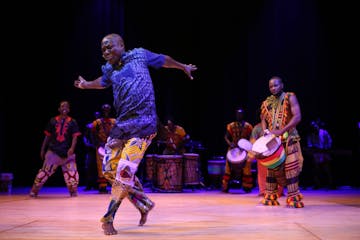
(120, 163)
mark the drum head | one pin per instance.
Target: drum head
(266, 145)
(244, 144)
(236, 155)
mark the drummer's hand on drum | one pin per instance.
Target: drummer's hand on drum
(266, 132)
(277, 132)
(253, 155)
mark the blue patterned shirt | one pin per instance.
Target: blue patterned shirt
(133, 92)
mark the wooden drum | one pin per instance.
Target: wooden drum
(191, 169)
(168, 176)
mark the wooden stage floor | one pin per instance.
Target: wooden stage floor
(192, 214)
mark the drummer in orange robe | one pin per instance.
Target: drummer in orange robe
(101, 128)
(234, 132)
(176, 137)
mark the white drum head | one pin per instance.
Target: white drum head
(244, 144)
(266, 145)
(236, 155)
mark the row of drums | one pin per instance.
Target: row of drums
(169, 173)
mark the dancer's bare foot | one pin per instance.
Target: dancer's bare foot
(144, 216)
(108, 228)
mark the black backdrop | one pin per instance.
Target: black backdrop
(237, 47)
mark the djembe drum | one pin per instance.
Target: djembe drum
(191, 169)
(149, 166)
(269, 151)
(215, 170)
(168, 174)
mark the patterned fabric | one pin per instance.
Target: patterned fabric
(277, 113)
(135, 127)
(174, 140)
(238, 130)
(134, 99)
(169, 173)
(120, 164)
(287, 174)
(135, 195)
(61, 131)
(51, 163)
(101, 130)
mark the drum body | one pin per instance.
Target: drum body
(191, 169)
(237, 160)
(6, 182)
(271, 153)
(149, 166)
(236, 155)
(216, 169)
(274, 160)
(168, 176)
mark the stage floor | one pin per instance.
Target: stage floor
(191, 214)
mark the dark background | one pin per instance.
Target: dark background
(237, 46)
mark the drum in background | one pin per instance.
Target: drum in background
(237, 160)
(216, 169)
(6, 182)
(191, 169)
(168, 174)
(149, 166)
(270, 152)
(236, 155)
(244, 144)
